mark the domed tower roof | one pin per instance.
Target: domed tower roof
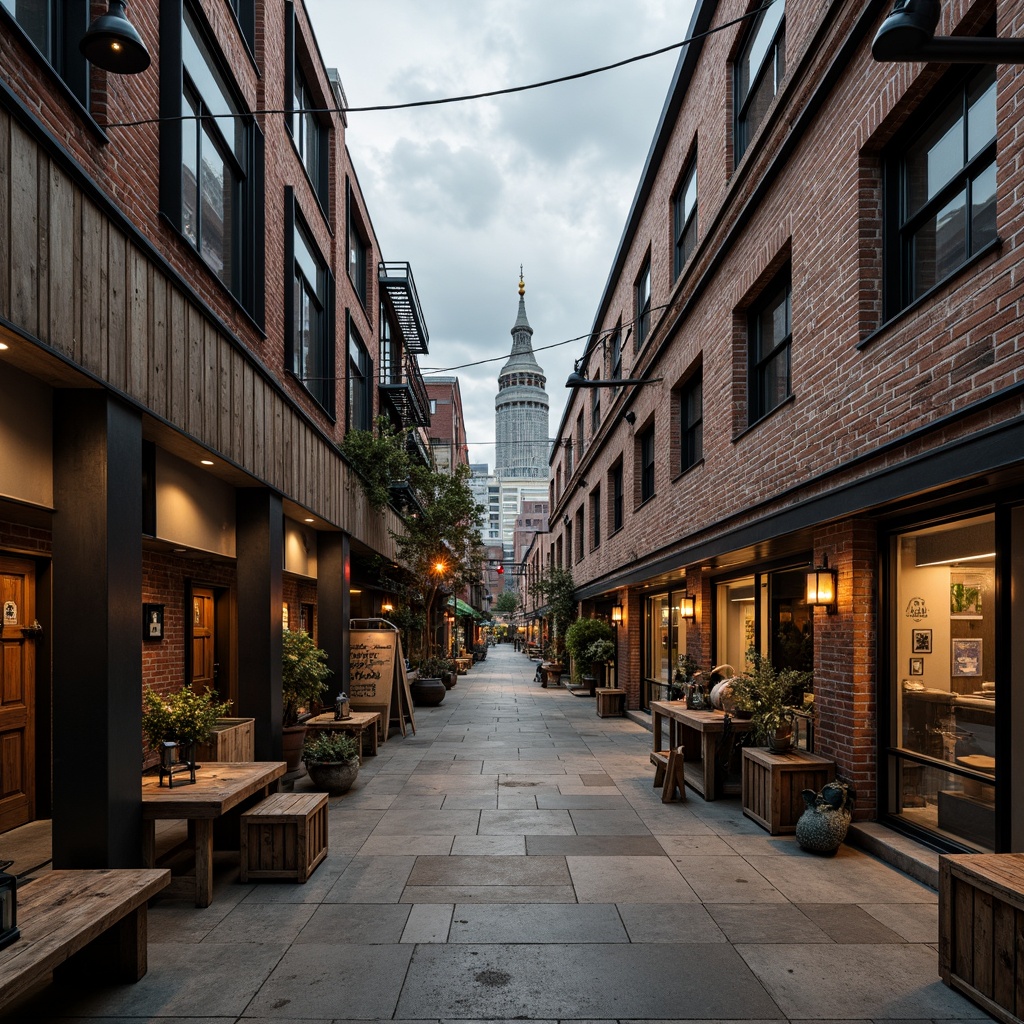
(522, 359)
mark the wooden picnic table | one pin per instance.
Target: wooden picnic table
(219, 787)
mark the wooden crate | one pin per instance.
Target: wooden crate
(284, 836)
(233, 741)
(981, 930)
(610, 702)
(773, 784)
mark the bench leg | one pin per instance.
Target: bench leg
(659, 774)
(118, 954)
(674, 777)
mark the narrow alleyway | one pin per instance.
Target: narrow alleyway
(513, 861)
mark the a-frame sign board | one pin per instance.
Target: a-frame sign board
(377, 677)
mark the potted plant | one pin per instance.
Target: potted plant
(304, 674)
(427, 688)
(771, 697)
(332, 760)
(599, 653)
(186, 718)
(578, 638)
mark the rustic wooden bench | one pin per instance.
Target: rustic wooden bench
(284, 836)
(981, 930)
(668, 773)
(99, 914)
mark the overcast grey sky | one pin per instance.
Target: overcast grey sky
(467, 192)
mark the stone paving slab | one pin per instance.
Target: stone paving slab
(489, 871)
(561, 923)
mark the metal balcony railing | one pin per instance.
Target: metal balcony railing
(399, 289)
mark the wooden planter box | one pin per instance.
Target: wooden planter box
(233, 740)
(773, 785)
(981, 930)
(610, 702)
(285, 836)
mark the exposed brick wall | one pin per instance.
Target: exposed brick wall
(23, 539)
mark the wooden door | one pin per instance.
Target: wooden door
(204, 639)
(17, 692)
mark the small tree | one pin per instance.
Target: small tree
(555, 586)
(440, 549)
(304, 673)
(379, 458)
(580, 635)
(507, 603)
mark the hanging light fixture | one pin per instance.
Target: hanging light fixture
(113, 43)
(687, 607)
(821, 586)
(616, 614)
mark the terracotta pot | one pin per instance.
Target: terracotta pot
(427, 692)
(333, 776)
(292, 738)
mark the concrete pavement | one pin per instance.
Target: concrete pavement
(512, 860)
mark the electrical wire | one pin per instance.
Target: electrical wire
(412, 104)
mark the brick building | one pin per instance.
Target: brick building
(194, 309)
(447, 429)
(819, 289)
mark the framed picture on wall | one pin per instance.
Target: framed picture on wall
(966, 657)
(917, 666)
(921, 641)
(152, 622)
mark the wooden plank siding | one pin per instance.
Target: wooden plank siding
(97, 297)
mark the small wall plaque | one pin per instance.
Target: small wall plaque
(152, 622)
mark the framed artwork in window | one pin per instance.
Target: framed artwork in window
(966, 657)
(921, 641)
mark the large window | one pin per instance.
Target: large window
(664, 645)
(310, 289)
(758, 71)
(684, 216)
(945, 661)
(643, 304)
(55, 27)
(645, 454)
(308, 132)
(615, 356)
(360, 382)
(616, 494)
(770, 334)
(943, 183)
(595, 518)
(691, 421)
(211, 155)
(595, 411)
(358, 251)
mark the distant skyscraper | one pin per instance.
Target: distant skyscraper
(521, 408)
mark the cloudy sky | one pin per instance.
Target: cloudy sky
(467, 192)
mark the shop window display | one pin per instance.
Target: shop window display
(944, 697)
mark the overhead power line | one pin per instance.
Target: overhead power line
(411, 104)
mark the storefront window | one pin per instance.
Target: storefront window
(665, 633)
(943, 742)
(737, 622)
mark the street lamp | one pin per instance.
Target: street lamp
(908, 34)
(112, 42)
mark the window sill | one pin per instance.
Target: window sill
(689, 469)
(884, 328)
(788, 400)
(646, 501)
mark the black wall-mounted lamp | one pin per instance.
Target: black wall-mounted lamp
(821, 586)
(111, 42)
(616, 614)
(908, 34)
(566, 521)
(577, 380)
(629, 417)
(687, 607)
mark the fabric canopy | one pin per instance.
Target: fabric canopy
(461, 608)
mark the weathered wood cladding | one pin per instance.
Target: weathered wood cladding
(83, 287)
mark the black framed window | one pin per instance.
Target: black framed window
(615, 487)
(595, 517)
(579, 534)
(645, 451)
(310, 289)
(691, 421)
(758, 71)
(595, 410)
(770, 335)
(309, 133)
(615, 356)
(390, 354)
(360, 382)
(684, 217)
(643, 304)
(358, 251)
(581, 440)
(942, 182)
(211, 152)
(245, 15)
(55, 27)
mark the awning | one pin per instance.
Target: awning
(461, 608)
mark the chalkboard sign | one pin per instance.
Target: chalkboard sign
(377, 679)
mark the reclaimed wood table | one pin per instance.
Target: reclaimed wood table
(219, 787)
(364, 725)
(699, 733)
